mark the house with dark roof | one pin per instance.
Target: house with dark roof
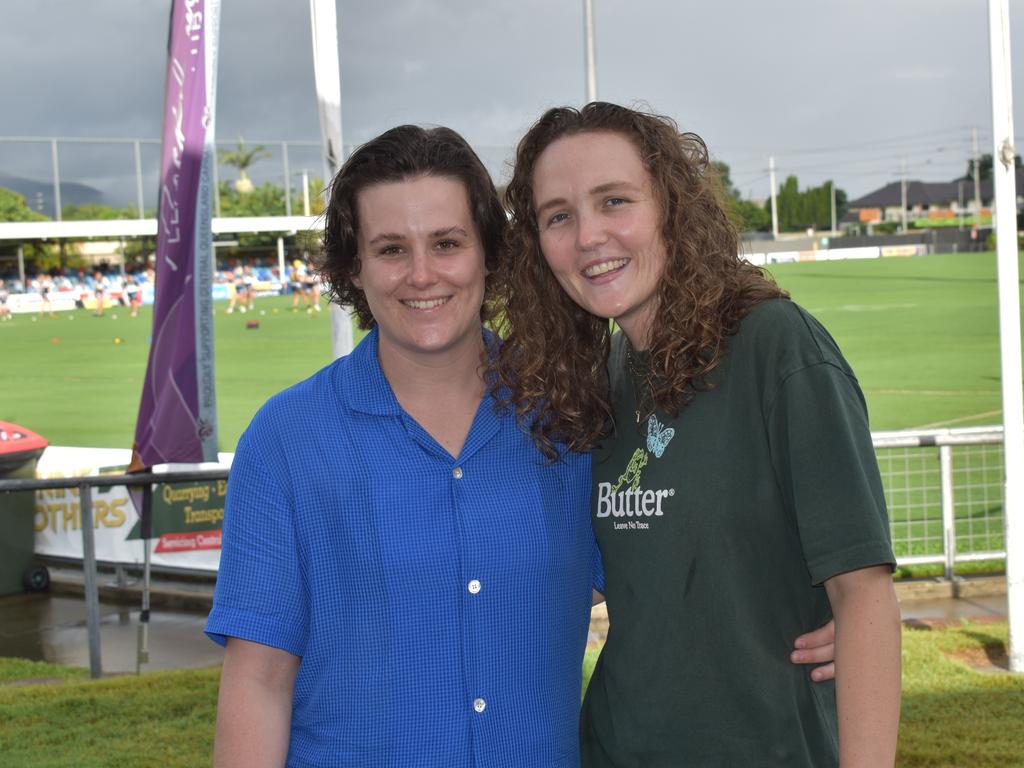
(939, 202)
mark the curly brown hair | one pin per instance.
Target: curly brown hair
(399, 154)
(552, 368)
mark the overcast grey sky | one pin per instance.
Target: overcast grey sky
(842, 89)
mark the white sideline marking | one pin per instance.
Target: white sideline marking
(933, 392)
(861, 308)
(934, 424)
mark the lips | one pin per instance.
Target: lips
(426, 303)
(603, 267)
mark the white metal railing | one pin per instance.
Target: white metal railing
(944, 491)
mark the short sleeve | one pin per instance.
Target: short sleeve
(826, 468)
(260, 593)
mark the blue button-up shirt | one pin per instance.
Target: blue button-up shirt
(440, 605)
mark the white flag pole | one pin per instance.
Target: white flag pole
(1005, 226)
(327, 74)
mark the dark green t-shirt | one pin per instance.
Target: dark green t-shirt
(717, 530)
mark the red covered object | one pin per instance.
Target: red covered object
(18, 445)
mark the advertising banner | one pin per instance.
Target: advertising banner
(190, 540)
(187, 517)
(177, 414)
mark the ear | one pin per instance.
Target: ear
(354, 277)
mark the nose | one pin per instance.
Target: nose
(422, 270)
(589, 231)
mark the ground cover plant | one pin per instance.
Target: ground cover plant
(959, 708)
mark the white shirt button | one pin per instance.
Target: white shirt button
(479, 705)
(474, 586)
(457, 473)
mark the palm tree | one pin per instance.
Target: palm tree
(242, 158)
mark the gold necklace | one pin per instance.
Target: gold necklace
(636, 371)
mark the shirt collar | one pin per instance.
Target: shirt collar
(361, 380)
(362, 383)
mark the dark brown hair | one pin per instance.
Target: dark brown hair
(403, 153)
(552, 366)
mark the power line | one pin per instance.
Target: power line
(883, 143)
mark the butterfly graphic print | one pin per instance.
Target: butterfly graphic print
(658, 436)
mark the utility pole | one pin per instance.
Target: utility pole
(960, 205)
(57, 207)
(832, 189)
(775, 210)
(588, 50)
(977, 178)
(903, 192)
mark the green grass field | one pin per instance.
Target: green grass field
(75, 385)
(953, 714)
(921, 333)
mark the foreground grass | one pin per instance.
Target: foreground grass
(161, 719)
(953, 715)
(26, 671)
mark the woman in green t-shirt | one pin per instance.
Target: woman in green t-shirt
(736, 496)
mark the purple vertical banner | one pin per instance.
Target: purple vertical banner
(177, 415)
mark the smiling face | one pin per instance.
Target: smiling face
(421, 268)
(600, 227)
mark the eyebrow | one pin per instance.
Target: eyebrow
(393, 237)
(600, 189)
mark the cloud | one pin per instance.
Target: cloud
(752, 77)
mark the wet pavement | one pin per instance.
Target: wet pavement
(52, 627)
(948, 609)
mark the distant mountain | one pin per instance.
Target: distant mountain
(39, 194)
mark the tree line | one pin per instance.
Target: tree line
(798, 210)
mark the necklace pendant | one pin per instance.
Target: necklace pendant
(637, 415)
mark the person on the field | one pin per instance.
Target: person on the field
(45, 287)
(298, 283)
(249, 280)
(99, 287)
(133, 295)
(5, 311)
(240, 294)
(736, 496)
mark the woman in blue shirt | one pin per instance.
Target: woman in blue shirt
(404, 581)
